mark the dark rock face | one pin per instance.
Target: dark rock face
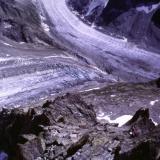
(155, 18)
(78, 5)
(137, 20)
(158, 82)
(67, 128)
(20, 22)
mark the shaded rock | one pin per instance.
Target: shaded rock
(74, 111)
(78, 145)
(158, 82)
(140, 124)
(30, 150)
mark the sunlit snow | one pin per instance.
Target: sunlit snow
(152, 103)
(120, 120)
(7, 44)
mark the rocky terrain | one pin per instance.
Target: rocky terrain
(22, 26)
(79, 80)
(58, 131)
(78, 126)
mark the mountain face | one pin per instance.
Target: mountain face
(137, 20)
(21, 22)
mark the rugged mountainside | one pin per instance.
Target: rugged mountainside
(21, 22)
(136, 20)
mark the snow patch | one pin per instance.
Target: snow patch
(125, 39)
(93, 25)
(44, 25)
(7, 44)
(7, 25)
(120, 120)
(21, 42)
(91, 89)
(112, 96)
(43, 98)
(152, 103)
(75, 12)
(148, 9)
(155, 123)
(7, 55)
